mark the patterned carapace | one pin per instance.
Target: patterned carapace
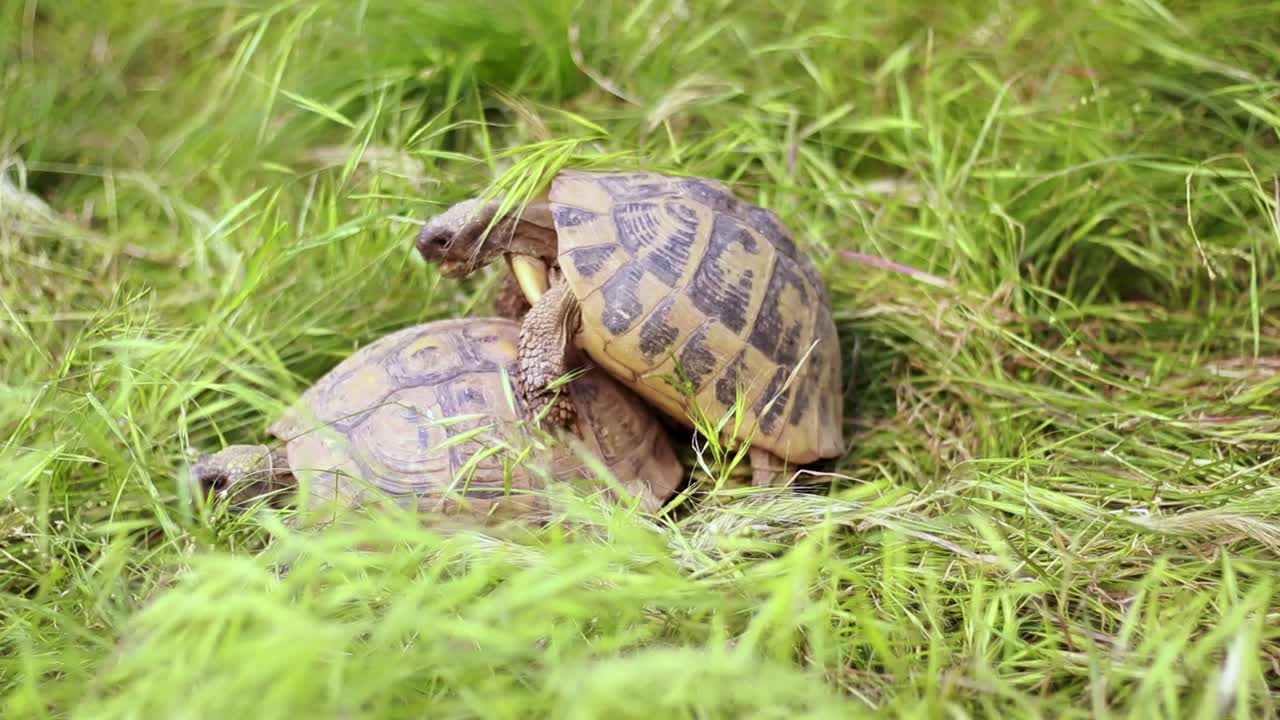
(677, 278)
(426, 409)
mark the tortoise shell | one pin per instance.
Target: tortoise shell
(678, 280)
(425, 416)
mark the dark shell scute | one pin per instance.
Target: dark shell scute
(815, 279)
(789, 350)
(669, 256)
(727, 386)
(569, 216)
(622, 305)
(683, 214)
(636, 224)
(760, 219)
(666, 267)
(588, 261)
(657, 237)
(630, 187)
(778, 396)
(696, 359)
(712, 290)
(710, 195)
(657, 334)
(766, 223)
(774, 335)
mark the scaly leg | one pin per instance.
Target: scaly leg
(547, 352)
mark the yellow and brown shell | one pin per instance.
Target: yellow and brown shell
(425, 416)
(687, 292)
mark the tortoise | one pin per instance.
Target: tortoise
(693, 298)
(420, 417)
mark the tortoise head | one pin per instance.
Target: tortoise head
(466, 237)
(241, 474)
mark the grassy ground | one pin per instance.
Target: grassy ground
(1051, 235)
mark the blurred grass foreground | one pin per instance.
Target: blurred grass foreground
(1051, 235)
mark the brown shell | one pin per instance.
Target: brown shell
(423, 416)
(676, 272)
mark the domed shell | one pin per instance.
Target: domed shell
(425, 416)
(680, 281)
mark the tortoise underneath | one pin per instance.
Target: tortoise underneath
(699, 302)
(424, 418)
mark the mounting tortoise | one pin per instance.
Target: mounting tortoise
(675, 287)
(422, 416)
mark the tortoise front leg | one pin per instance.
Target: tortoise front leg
(545, 353)
(766, 468)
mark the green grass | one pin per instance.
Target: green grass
(1051, 235)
